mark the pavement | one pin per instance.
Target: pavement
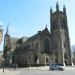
(8, 72)
(44, 70)
(69, 70)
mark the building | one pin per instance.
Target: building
(32, 49)
(1, 33)
(73, 54)
(17, 50)
(73, 57)
(60, 35)
(1, 56)
(46, 47)
(7, 44)
(10, 52)
(9, 47)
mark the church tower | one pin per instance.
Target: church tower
(60, 36)
(7, 43)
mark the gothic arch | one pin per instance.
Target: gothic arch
(46, 45)
(35, 58)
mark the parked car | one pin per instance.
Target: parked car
(55, 67)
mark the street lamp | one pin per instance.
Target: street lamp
(3, 63)
(10, 61)
(63, 57)
(37, 63)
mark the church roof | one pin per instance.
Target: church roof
(13, 40)
(22, 40)
(26, 39)
(40, 33)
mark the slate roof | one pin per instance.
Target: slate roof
(13, 40)
(22, 40)
(40, 33)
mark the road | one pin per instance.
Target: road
(39, 71)
(69, 70)
(46, 72)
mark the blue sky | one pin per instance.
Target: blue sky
(26, 17)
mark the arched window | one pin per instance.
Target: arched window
(46, 45)
(63, 23)
(35, 58)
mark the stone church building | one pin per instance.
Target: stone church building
(46, 47)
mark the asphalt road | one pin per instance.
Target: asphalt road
(43, 72)
(38, 71)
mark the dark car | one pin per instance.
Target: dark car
(55, 67)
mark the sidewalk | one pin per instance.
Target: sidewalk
(8, 72)
(32, 69)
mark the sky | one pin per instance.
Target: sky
(27, 17)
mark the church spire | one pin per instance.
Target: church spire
(64, 9)
(7, 31)
(46, 25)
(57, 7)
(51, 11)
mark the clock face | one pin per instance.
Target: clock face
(0, 37)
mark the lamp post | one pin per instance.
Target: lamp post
(3, 63)
(10, 62)
(63, 59)
(37, 63)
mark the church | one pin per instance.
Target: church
(46, 47)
